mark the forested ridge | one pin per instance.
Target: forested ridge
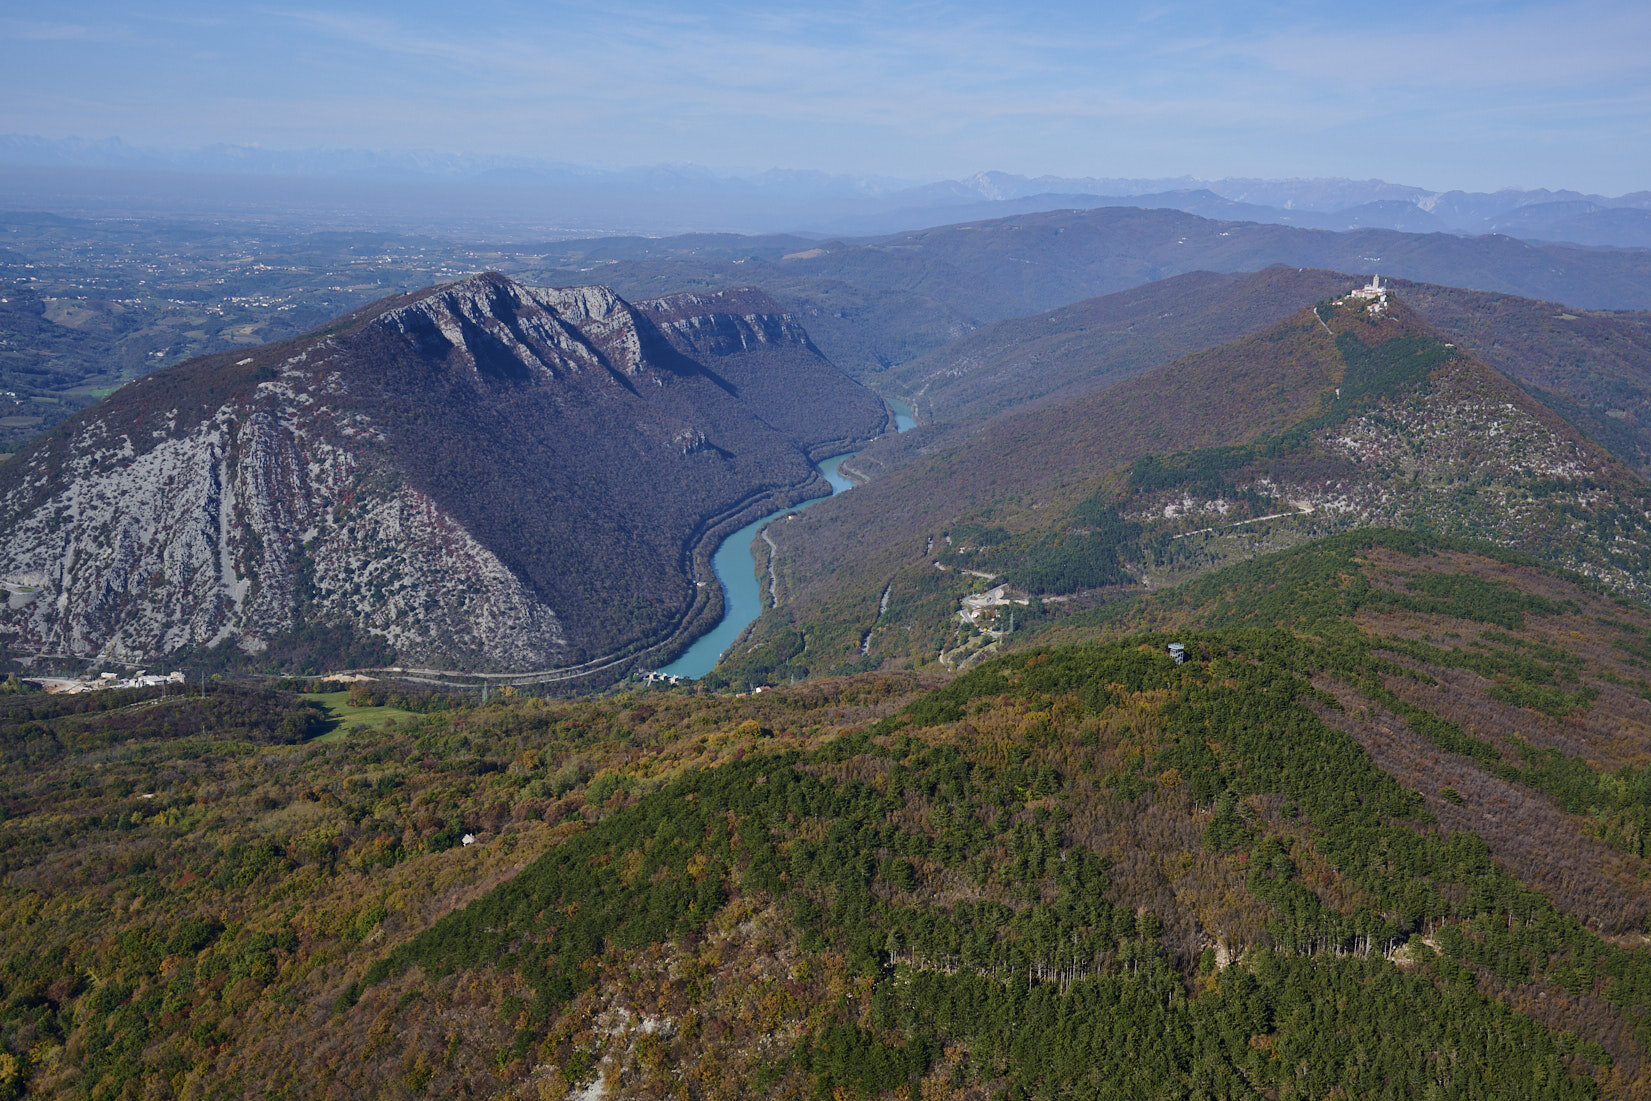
(1382, 834)
(1335, 418)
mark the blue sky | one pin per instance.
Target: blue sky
(1441, 95)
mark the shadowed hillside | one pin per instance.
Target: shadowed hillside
(480, 475)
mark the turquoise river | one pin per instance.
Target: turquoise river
(736, 569)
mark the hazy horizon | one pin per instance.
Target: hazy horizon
(354, 162)
(1461, 96)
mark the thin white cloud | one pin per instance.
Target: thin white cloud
(1547, 47)
(910, 88)
(28, 30)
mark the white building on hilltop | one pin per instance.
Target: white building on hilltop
(1374, 293)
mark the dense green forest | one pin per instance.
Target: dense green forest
(1382, 834)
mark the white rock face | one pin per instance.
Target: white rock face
(405, 571)
(721, 323)
(139, 555)
(437, 477)
(271, 509)
(555, 331)
(1461, 459)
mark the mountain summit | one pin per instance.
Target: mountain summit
(481, 475)
(1353, 414)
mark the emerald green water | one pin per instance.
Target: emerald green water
(736, 570)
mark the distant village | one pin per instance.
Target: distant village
(105, 681)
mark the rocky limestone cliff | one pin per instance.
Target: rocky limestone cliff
(765, 356)
(483, 475)
(497, 327)
(722, 322)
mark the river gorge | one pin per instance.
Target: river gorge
(736, 570)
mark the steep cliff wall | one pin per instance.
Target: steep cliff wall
(483, 475)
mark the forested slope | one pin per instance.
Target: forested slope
(1593, 367)
(1383, 833)
(766, 359)
(1334, 418)
(1004, 366)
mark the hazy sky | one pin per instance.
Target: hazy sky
(1441, 95)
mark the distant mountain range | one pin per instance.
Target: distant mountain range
(476, 476)
(101, 175)
(872, 303)
(1538, 215)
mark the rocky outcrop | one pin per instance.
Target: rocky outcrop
(720, 323)
(493, 326)
(483, 475)
(763, 354)
(236, 529)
